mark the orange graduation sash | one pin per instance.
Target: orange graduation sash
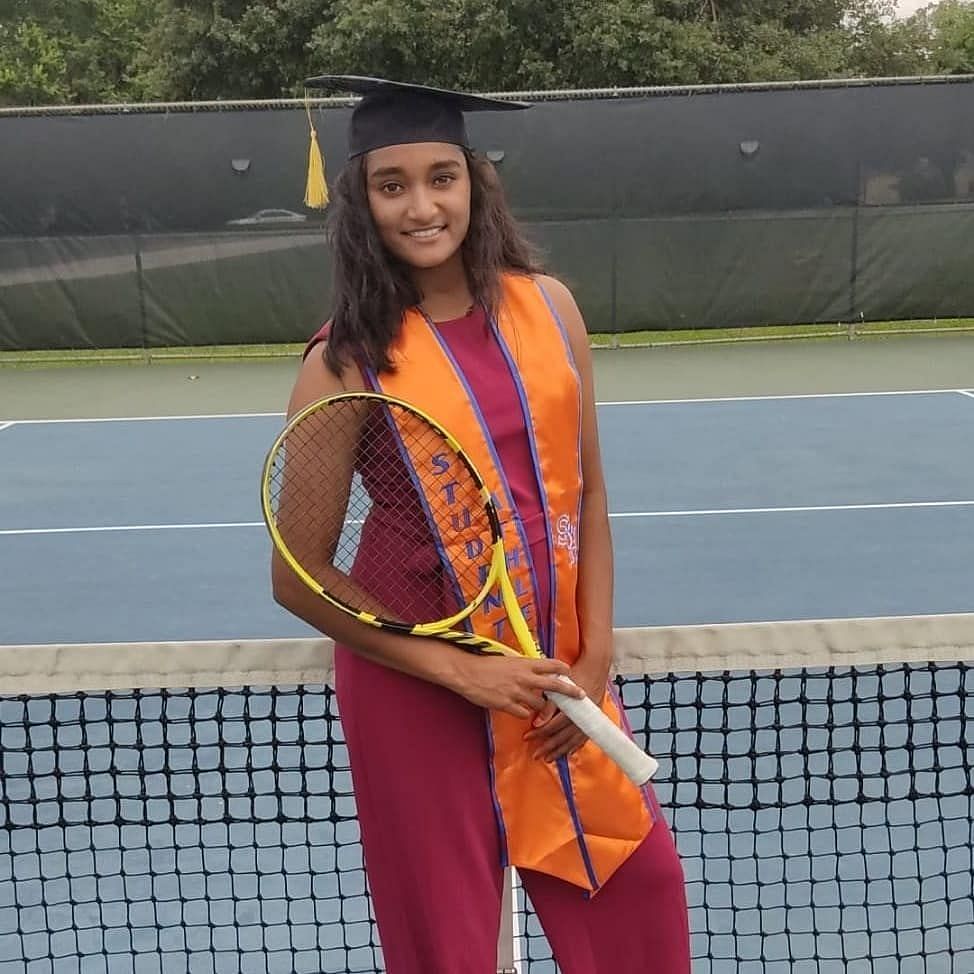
(580, 818)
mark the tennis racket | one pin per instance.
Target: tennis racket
(379, 511)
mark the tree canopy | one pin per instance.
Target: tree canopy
(99, 51)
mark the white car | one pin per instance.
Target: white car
(264, 217)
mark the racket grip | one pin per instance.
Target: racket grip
(638, 766)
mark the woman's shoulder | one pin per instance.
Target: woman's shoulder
(549, 284)
(563, 301)
(318, 338)
(316, 378)
(554, 289)
(553, 286)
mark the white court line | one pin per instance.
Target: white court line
(131, 527)
(797, 395)
(903, 505)
(4, 426)
(143, 419)
(620, 402)
(966, 392)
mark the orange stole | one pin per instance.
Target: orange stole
(578, 819)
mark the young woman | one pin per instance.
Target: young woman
(459, 764)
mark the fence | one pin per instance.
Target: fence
(147, 226)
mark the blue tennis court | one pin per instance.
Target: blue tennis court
(724, 510)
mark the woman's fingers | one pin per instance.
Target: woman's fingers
(518, 685)
(561, 744)
(553, 677)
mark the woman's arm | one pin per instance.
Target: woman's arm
(503, 683)
(558, 736)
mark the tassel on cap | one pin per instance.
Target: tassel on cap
(316, 191)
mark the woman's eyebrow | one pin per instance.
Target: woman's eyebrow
(386, 171)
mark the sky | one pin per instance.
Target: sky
(906, 7)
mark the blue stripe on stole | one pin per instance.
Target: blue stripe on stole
(564, 773)
(434, 527)
(498, 813)
(571, 362)
(545, 627)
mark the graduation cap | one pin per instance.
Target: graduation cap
(395, 113)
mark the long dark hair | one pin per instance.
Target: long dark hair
(373, 289)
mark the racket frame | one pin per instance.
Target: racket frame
(442, 628)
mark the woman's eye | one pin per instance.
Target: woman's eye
(391, 188)
(443, 179)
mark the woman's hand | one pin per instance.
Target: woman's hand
(553, 734)
(513, 684)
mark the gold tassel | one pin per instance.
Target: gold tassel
(316, 191)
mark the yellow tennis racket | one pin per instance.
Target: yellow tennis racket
(380, 512)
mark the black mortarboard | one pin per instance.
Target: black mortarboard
(397, 113)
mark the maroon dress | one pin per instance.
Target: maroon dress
(420, 767)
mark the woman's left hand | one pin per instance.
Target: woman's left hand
(552, 733)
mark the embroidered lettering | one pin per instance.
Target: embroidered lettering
(566, 536)
(450, 491)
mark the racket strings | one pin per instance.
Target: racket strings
(375, 505)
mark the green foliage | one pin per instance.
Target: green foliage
(484, 44)
(626, 42)
(56, 51)
(32, 65)
(951, 27)
(73, 51)
(227, 48)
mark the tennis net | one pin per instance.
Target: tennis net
(188, 807)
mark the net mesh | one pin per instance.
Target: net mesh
(360, 490)
(176, 830)
(824, 813)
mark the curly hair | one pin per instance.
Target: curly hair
(373, 289)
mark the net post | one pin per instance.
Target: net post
(507, 938)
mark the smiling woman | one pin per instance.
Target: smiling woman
(461, 763)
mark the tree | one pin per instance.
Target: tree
(951, 28)
(884, 46)
(626, 42)
(55, 51)
(32, 65)
(513, 44)
(485, 44)
(58, 51)
(215, 49)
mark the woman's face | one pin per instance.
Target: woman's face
(419, 196)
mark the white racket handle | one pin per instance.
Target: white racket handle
(638, 766)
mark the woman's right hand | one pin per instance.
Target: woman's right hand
(514, 684)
